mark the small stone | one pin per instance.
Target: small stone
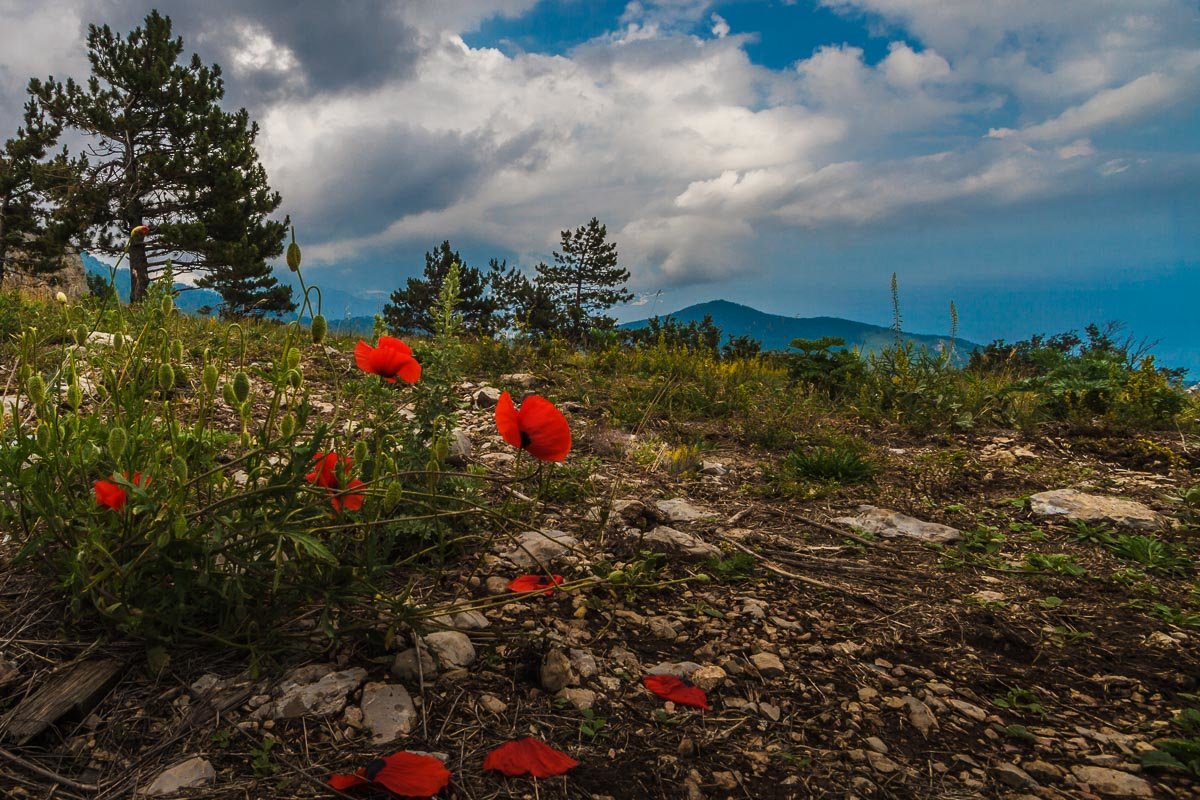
(324, 697)
(387, 711)
(471, 620)
(668, 540)
(661, 628)
(679, 669)
(540, 548)
(493, 704)
(452, 648)
(679, 510)
(967, 709)
(876, 744)
(920, 716)
(892, 524)
(486, 397)
(708, 677)
(521, 380)
(191, 774)
(1075, 505)
(1043, 771)
(1111, 782)
(1013, 776)
(686, 748)
(496, 585)
(714, 468)
(881, 763)
(725, 780)
(460, 449)
(556, 672)
(579, 698)
(770, 711)
(583, 662)
(406, 667)
(867, 695)
(353, 716)
(9, 672)
(768, 664)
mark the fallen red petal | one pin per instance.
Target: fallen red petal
(409, 774)
(678, 691)
(531, 583)
(528, 757)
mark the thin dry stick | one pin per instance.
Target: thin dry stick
(45, 773)
(771, 566)
(854, 537)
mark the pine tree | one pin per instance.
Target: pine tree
(30, 235)
(409, 309)
(528, 306)
(161, 152)
(586, 280)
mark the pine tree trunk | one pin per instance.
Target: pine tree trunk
(139, 269)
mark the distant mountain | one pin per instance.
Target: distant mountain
(776, 332)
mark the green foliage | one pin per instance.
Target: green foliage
(732, 568)
(825, 365)
(1180, 754)
(1019, 699)
(585, 279)
(843, 461)
(591, 725)
(1062, 563)
(1153, 553)
(163, 153)
(409, 309)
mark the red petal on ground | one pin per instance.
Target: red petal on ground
(678, 691)
(506, 420)
(547, 429)
(109, 494)
(528, 756)
(531, 583)
(342, 781)
(411, 775)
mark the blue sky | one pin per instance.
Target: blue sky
(1037, 163)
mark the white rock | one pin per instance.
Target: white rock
(321, 698)
(486, 397)
(406, 667)
(544, 547)
(892, 524)
(556, 672)
(583, 662)
(708, 677)
(521, 380)
(387, 711)
(191, 774)
(712, 468)
(1076, 505)
(452, 648)
(679, 669)
(669, 540)
(768, 664)
(1113, 783)
(580, 699)
(493, 704)
(679, 510)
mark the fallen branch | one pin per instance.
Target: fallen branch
(772, 567)
(48, 774)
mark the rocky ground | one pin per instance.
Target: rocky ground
(942, 631)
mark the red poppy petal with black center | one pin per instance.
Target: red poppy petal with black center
(545, 428)
(363, 353)
(531, 583)
(409, 774)
(109, 494)
(678, 691)
(528, 756)
(506, 420)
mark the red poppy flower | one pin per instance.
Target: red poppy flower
(326, 475)
(112, 495)
(403, 774)
(528, 756)
(531, 583)
(390, 359)
(538, 428)
(677, 690)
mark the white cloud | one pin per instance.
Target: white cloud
(720, 28)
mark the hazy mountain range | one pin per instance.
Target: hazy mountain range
(776, 332)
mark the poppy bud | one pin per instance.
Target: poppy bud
(616, 576)
(360, 452)
(139, 231)
(395, 493)
(211, 373)
(74, 396)
(24, 373)
(36, 389)
(293, 358)
(293, 257)
(61, 297)
(177, 350)
(180, 468)
(229, 395)
(241, 386)
(118, 340)
(42, 437)
(287, 426)
(81, 334)
(294, 378)
(319, 328)
(181, 530)
(166, 377)
(168, 304)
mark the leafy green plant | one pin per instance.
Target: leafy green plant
(591, 725)
(1062, 563)
(1019, 699)
(1153, 553)
(734, 567)
(843, 462)
(1180, 754)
